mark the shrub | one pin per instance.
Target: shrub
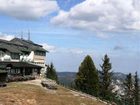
(20, 78)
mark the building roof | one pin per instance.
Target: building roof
(5, 64)
(17, 45)
(10, 48)
(31, 45)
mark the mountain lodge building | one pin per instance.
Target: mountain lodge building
(22, 57)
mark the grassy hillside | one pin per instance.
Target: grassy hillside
(29, 94)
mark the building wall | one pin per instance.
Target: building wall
(39, 59)
(5, 56)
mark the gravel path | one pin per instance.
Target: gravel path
(34, 82)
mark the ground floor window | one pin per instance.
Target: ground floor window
(24, 71)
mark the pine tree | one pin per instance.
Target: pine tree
(136, 89)
(51, 72)
(129, 96)
(87, 77)
(105, 81)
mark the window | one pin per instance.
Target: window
(40, 53)
(15, 56)
(1, 53)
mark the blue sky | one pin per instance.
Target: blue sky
(71, 29)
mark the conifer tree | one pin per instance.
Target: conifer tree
(87, 77)
(136, 89)
(51, 72)
(105, 81)
(129, 96)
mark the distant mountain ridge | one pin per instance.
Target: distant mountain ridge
(68, 77)
(118, 78)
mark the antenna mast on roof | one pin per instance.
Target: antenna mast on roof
(28, 34)
(21, 35)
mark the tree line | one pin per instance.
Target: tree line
(99, 82)
(51, 73)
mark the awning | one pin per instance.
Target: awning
(5, 64)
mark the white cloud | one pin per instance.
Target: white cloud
(101, 15)
(27, 9)
(76, 51)
(70, 50)
(6, 37)
(54, 49)
(49, 48)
